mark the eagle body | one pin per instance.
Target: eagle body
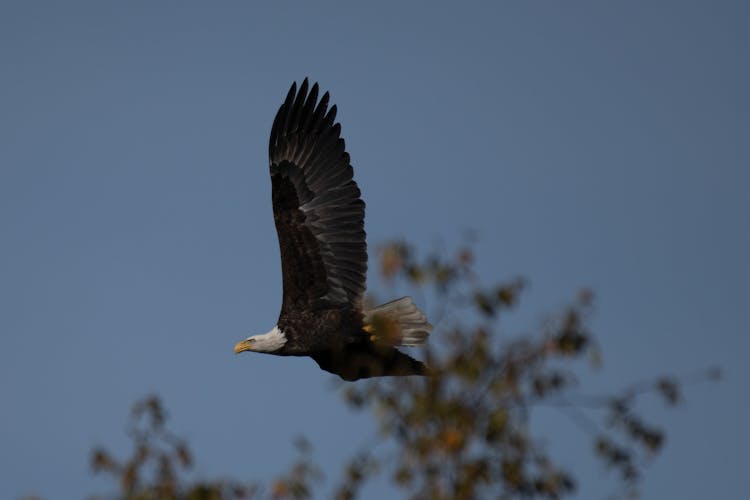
(331, 327)
(319, 218)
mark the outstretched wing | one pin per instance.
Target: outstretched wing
(316, 206)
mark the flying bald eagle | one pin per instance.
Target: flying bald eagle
(320, 219)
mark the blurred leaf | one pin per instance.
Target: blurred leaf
(669, 389)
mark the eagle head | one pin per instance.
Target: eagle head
(268, 342)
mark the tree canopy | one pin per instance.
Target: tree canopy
(463, 432)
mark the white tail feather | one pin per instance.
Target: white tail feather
(412, 325)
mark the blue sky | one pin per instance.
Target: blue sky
(600, 144)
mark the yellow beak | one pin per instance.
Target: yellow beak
(243, 345)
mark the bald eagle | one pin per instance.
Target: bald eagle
(319, 218)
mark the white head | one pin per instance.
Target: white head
(267, 342)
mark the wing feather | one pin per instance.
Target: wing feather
(318, 211)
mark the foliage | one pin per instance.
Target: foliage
(157, 466)
(466, 431)
(155, 469)
(463, 432)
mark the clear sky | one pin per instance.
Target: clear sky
(600, 144)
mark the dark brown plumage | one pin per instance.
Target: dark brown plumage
(319, 218)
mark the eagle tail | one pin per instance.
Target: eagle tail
(397, 323)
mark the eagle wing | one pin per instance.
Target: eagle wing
(317, 208)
